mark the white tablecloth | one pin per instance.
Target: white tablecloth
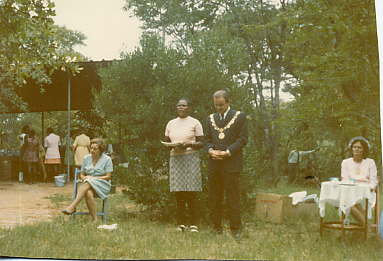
(345, 196)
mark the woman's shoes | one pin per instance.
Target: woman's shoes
(183, 228)
(66, 212)
(193, 229)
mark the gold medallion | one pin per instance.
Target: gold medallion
(221, 135)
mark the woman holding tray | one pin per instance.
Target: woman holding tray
(185, 135)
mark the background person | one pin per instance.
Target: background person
(52, 154)
(21, 163)
(184, 165)
(81, 148)
(31, 156)
(226, 135)
(96, 172)
(294, 159)
(359, 169)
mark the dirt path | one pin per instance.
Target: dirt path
(23, 204)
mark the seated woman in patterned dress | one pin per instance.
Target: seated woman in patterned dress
(359, 169)
(184, 165)
(96, 172)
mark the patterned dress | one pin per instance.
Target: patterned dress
(104, 165)
(31, 151)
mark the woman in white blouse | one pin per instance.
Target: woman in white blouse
(359, 169)
(184, 165)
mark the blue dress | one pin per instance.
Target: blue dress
(104, 165)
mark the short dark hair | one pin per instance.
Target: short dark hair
(364, 142)
(222, 93)
(100, 142)
(25, 129)
(185, 99)
(50, 130)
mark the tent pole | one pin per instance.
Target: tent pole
(42, 128)
(68, 130)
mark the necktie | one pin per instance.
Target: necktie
(222, 116)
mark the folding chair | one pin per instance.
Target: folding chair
(103, 213)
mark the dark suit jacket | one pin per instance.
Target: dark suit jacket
(235, 139)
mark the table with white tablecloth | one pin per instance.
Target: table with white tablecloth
(344, 196)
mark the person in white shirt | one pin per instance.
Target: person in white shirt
(359, 169)
(52, 155)
(184, 165)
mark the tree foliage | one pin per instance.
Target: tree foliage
(31, 46)
(324, 54)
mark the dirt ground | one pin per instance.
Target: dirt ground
(22, 204)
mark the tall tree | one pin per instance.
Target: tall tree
(248, 38)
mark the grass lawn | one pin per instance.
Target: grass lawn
(139, 238)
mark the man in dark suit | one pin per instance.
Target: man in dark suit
(226, 135)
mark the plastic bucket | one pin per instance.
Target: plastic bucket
(59, 181)
(63, 175)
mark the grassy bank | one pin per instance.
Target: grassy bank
(139, 238)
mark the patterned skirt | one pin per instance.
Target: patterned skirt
(185, 172)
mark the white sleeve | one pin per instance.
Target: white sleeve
(344, 172)
(167, 129)
(198, 129)
(372, 174)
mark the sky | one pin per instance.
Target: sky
(108, 28)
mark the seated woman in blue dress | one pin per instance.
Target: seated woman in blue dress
(96, 172)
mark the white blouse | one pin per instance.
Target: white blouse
(52, 143)
(366, 169)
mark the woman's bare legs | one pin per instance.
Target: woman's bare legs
(91, 204)
(84, 188)
(358, 213)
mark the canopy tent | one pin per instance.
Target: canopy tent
(66, 92)
(55, 96)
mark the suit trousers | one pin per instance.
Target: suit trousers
(221, 184)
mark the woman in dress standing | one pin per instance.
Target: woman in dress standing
(96, 173)
(359, 169)
(52, 155)
(81, 148)
(184, 165)
(31, 156)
